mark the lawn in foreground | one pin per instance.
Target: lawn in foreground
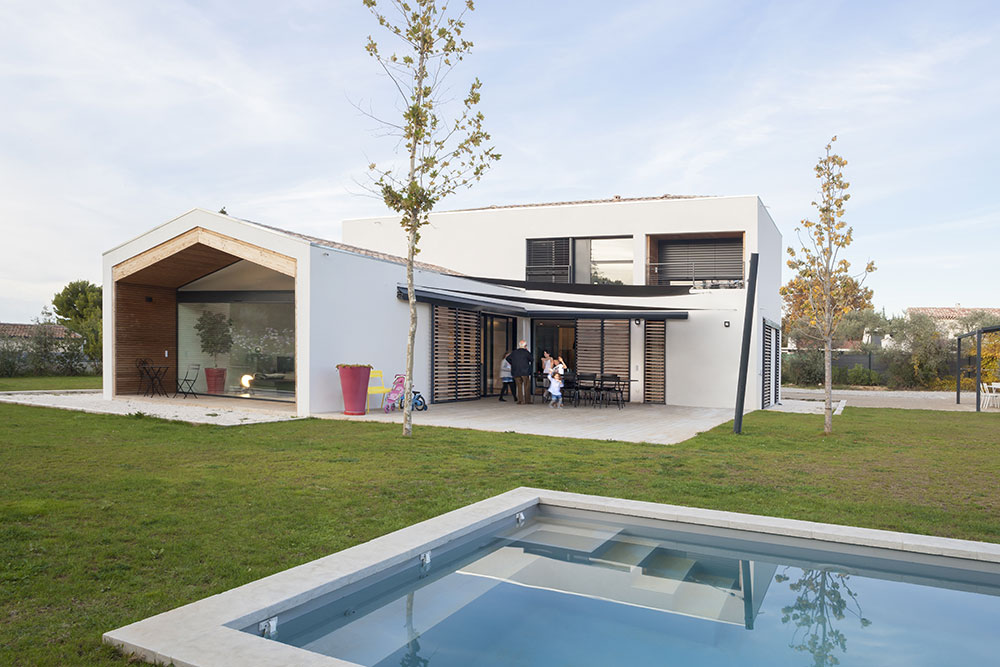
(105, 520)
(42, 383)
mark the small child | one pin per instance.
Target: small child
(555, 391)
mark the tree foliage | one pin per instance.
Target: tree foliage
(823, 288)
(823, 599)
(78, 307)
(443, 154)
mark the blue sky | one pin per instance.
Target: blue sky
(118, 116)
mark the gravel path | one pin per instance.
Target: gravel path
(196, 411)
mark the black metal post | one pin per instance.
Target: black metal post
(979, 369)
(958, 372)
(741, 388)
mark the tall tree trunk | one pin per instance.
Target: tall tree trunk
(828, 385)
(411, 298)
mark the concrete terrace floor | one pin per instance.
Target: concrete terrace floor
(659, 424)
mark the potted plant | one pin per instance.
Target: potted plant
(354, 385)
(216, 334)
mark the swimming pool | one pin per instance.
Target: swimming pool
(535, 577)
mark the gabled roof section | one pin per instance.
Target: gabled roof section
(336, 245)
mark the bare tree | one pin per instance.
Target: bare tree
(443, 154)
(823, 289)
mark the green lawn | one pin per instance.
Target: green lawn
(106, 520)
(53, 382)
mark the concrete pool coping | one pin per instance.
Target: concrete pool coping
(207, 632)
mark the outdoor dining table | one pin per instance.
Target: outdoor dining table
(155, 375)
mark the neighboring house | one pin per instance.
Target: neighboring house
(299, 305)
(10, 331)
(948, 320)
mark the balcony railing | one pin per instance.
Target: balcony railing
(687, 273)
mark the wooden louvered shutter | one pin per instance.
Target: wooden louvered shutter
(456, 350)
(603, 346)
(548, 261)
(655, 365)
(767, 365)
(588, 346)
(617, 348)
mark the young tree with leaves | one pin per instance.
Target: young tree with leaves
(443, 154)
(824, 289)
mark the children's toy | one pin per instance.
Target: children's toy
(395, 393)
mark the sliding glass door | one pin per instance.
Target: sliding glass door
(498, 340)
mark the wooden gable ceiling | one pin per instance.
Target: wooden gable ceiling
(184, 266)
(193, 255)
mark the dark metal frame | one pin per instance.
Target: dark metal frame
(741, 388)
(978, 333)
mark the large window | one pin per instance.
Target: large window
(710, 261)
(260, 362)
(587, 261)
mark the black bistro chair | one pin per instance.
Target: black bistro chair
(185, 385)
(145, 379)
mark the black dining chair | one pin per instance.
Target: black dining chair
(612, 390)
(586, 384)
(570, 390)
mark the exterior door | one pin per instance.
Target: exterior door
(498, 340)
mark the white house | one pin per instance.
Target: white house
(652, 290)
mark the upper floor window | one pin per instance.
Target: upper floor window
(707, 261)
(588, 261)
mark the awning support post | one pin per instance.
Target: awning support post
(741, 388)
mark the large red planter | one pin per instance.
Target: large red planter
(354, 385)
(215, 378)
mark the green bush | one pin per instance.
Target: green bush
(859, 375)
(839, 375)
(13, 359)
(803, 367)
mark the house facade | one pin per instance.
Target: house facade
(674, 254)
(295, 306)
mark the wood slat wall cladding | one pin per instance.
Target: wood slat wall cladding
(655, 365)
(603, 346)
(144, 329)
(457, 349)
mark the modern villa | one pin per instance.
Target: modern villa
(650, 289)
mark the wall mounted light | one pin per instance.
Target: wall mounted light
(637, 320)
(726, 324)
(149, 299)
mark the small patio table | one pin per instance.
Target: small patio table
(156, 375)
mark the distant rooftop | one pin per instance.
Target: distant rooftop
(613, 200)
(13, 330)
(955, 313)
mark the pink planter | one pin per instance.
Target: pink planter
(215, 378)
(354, 385)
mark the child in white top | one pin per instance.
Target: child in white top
(555, 390)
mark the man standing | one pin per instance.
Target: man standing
(520, 368)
